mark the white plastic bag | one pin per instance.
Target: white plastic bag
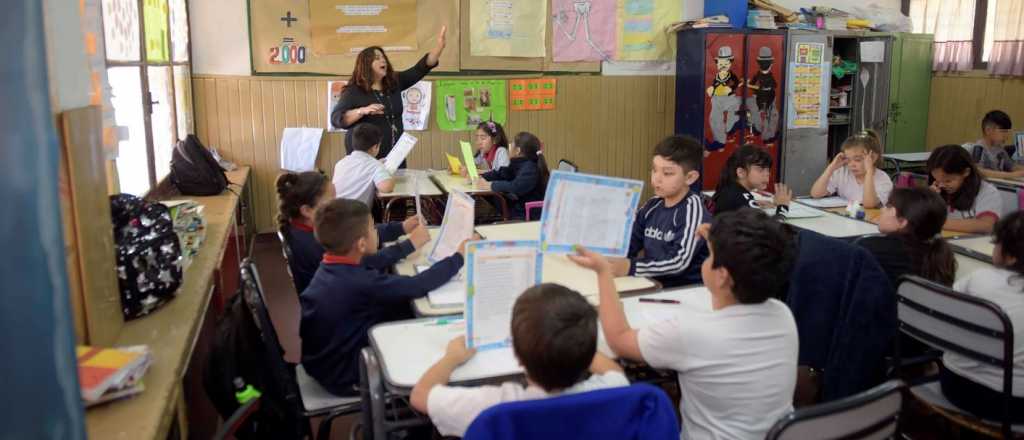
(882, 18)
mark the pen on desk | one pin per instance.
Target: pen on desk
(658, 301)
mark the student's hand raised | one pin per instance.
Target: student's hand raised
(457, 351)
(410, 224)
(419, 236)
(591, 260)
(783, 195)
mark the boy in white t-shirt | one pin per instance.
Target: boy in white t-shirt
(547, 319)
(736, 363)
(360, 175)
(853, 173)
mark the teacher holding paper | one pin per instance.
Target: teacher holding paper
(374, 94)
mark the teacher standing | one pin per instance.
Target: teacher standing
(374, 94)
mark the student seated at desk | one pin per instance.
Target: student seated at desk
(346, 296)
(989, 153)
(978, 387)
(974, 204)
(360, 175)
(525, 179)
(748, 169)
(492, 146)
(912, 242)
(737, 363)
(554, 337)
(299, 195)
(853, 173)
(665, 244)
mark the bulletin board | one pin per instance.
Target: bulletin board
(280, 34)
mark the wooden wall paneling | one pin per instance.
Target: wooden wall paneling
(71, 249)
(958, 102)
(93, 235)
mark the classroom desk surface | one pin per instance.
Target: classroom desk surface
(557, 268)
(170, 332)
(447, 182)
(1006, 183)
(834, 225)
(908, 157)
(980, 247)
(871, 217)
(404, 185)
(406, 349)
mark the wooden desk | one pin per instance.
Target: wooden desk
(557, 268)
(171, 332)
(871, 216)
(1009, 190)
(980, 247)
(404, 190)
(447, 182)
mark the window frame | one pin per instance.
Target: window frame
(147, 95)
(977, 35)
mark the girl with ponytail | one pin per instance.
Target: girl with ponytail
(912, 243)
(526, 177)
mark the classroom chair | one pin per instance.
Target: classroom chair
(231, 426)
(566, 165)
(963, 324)
(384, 413)
(1020, 198)
(286, 251)
(531, 206)
(639, 411)
(305, 396)
(872, 414)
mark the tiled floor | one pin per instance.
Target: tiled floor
(283, 304)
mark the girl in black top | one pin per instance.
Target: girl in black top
(912, 243)
(748, 169)
(374, 94)
(525, 179)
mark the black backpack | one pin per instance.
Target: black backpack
(194, 170)
(148, 254)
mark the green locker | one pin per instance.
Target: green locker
(910, 89)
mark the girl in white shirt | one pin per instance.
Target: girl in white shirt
(974, 204)
(492, 146)
(853, 175)
(972, 385)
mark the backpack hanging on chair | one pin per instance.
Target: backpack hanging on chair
(194, 171)
(148, 254)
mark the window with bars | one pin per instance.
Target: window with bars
(149, 72)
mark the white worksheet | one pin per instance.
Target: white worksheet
(450, 294)
(497, 272)
(299, 148)
(400, 151)
(456, 227)
(797, 210)
(593, 211)
(825, 202)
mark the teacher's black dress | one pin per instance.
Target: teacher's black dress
(390, 123)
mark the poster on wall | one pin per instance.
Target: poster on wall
(532, 94)
(583, 30)
(507, 28)
(334, 89)
(641, 28)
(416, 106)
(463, 104)
(807, 79)
(345, 27)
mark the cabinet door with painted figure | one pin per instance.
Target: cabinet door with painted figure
(724, 83)
(766, 61)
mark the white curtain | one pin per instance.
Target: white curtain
(1007, 53)
(952, 23)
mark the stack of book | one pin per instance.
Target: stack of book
(190, 226)
(106, 374)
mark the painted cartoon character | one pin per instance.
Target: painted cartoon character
(764, 114)
(412, 98)
(725, 104)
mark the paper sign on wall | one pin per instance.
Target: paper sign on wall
(334, 89)
(808, 102)
(416, 106)
(463, 104)
(642, 26)
(583, 30)
(349, 26)
(507, 28)
(532, 94)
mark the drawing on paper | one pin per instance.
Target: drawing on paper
(596, 20)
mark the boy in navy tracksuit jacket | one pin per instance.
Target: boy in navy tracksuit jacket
(665, 244)
(347, 296)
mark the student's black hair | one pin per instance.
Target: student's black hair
(757, 251)
(365, 136)
(340, 223)
(295, 190)
(925, 213)
(744, 157)
(530, 147)
(998, 119)
(685, 151)
(1009, 235)
(554, 335)
(954, 159)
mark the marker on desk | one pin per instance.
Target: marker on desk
(658, 301)
(445, 321)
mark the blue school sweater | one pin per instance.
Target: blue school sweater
(672, 250)
(343, 301)
(307, 252)
(520, 181)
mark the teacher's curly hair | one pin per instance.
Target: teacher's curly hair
(362, 72)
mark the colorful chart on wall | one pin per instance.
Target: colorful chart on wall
(345, 27)
(282, 37)
(416, 106)
(462, 104)
(507, 28)
(583, 30)
(642, 24)
(808, 77)
(532, 94)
